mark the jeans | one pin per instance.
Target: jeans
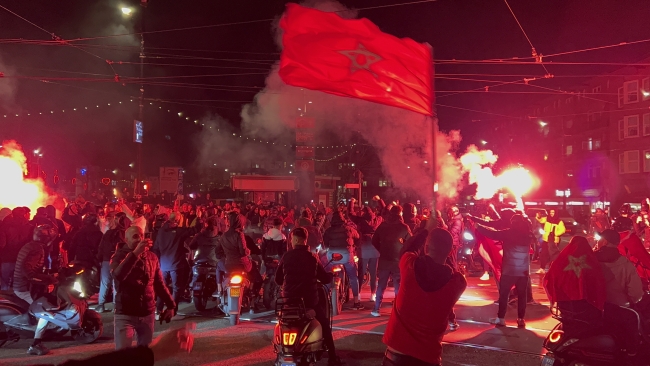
(106, 283)
(384, 274)
(7, 275)
(371, 265)
(521, 284)
(126, 326)
(350, 268)
(42, 323)
(25, 295)
(178, 280)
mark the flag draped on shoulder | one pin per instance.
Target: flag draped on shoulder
(322, 51)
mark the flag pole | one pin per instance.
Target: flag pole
(434, 133)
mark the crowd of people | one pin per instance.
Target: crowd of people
(143, 254)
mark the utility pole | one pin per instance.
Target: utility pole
(138, 180)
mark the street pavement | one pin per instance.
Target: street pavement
(357, 335)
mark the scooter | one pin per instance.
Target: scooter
(582, 342)
(298, 336)
(235, 295)
(468, 263)
(204, 284)
(66, 312)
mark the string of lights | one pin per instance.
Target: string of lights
(335, 156)
(154, 103)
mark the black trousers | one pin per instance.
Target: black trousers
(396, 359)
(520, 283)
(321, 316)
(625, 323)
(176, 281)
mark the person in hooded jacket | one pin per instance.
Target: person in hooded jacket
(516, 265)
(107, 246)
(205, 243)
(30, 282)
(84, 246)
(172, 253)
(389, 238)
(232, 251)
(53, 261)
(16, 232)
(368, 255)
(553, 229)
(411, 217)
(624, 289)
(339, 238)
(633, 249)
(429, 290)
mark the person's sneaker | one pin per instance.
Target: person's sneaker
(38, 350)
(485, 277)
(357, 306)
(540, 271)
(100, 309)
(375, 313)
(521, 323)
(373, 297)
(453, 326)
(499, 322)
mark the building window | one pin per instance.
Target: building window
(628, 162)
(631, 91)
(646, 161)
(569, 150)
(594, 171)
(596, 89)
(645, 88)
(631, 126)
(569, 173)
(365, 183)
(383, 183)
(646, 124)
(591, 144)
(620, 97)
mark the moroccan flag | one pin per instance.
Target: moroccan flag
(353, 58)
(576, 275)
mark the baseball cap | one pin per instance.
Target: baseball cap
(611, 236)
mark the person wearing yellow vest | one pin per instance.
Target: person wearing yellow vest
(553, 229)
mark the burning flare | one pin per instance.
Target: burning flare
(477, 163)
(15, 190)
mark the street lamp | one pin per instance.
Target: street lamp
(483, 142)
(542, 124)
(127, 11)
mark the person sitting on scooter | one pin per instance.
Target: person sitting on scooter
(233, 252)
(296, 276)
(275, 242)
(29, 278)
(624, 289)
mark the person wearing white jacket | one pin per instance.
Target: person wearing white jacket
(136, 216)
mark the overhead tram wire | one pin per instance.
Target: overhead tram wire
(239, 23)
(55, 37)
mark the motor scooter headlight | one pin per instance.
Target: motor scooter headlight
(468, 236)
(77, 287)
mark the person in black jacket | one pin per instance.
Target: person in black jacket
(367, 223)
(16, 232)
(84, 245)
(172, 252)
(298, 274)
(118, 223)
(516, 265)
(339, 238)
(55, 248)
(138, 280)
(29, 278)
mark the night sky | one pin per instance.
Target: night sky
(230, 62)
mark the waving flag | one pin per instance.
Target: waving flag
(353, 58)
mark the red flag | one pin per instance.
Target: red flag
(325, 52)
(576, 275)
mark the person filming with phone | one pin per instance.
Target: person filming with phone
(138, 280)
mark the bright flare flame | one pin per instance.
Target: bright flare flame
(15, 189)
(477, 163)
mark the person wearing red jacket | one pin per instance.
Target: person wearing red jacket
(429, 290)
(632, 248)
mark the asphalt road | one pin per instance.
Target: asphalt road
(357, 337)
